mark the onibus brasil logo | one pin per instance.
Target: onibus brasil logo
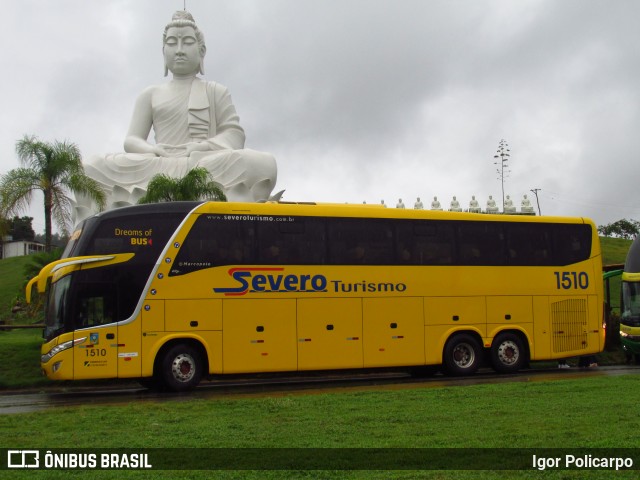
(275, 280)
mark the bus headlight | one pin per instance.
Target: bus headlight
(61, 348)
(628, 336)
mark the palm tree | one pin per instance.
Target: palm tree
(55, 169)
(195, 185)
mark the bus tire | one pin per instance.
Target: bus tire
(181, 368)
(462, 355)
(508, 354)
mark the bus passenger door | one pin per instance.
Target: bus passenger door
(129, 354)
(96, 354)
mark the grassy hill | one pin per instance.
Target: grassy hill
(614, 250)
(12, 279)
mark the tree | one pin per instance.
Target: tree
(5, 225)
(57, 240)
(55, 169)
(502, 157)
(623, 228)
(21, 228)
(195, 185)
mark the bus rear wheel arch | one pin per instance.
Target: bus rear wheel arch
(508, 352)
(462, 355)
(180, 366)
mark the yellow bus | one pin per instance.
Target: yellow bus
(170, 293)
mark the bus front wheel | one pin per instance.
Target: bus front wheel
(181, 368)
(462, 355)
(507, 353)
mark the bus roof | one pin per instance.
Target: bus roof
(367, 211)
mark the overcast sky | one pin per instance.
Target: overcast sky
(360, 100)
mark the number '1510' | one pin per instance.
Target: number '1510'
(572, 280)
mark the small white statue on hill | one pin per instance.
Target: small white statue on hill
(454, 206)
(474, 206)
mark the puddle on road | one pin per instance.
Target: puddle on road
(276, 388)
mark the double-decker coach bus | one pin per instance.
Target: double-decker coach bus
(172, 292)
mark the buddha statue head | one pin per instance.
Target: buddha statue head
(183, 45)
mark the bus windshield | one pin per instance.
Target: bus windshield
(88, 296)
(55, 307)
(631, 303)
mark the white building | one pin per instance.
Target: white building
(20, 248)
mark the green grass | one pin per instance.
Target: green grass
(614, 250)
(12, 278)
(20, 359)
(590, 412)
(586, 414)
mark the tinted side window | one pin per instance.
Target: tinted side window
(215, 241)
(425, 243)
(292, 241)
(481, 243)
(529, 244)
(357, 241)
(572, 243)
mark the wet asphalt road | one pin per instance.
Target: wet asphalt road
(72, 395)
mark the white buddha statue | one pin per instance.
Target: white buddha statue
(454, 206)
(474, 206)
(195, 125)
(435, 205)
(491, 205)
(509, 207)
(400, 203)
(526, 206)
(418, 205)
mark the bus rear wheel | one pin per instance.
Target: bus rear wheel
(507, 353)
(181, 368)
(462, 355)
